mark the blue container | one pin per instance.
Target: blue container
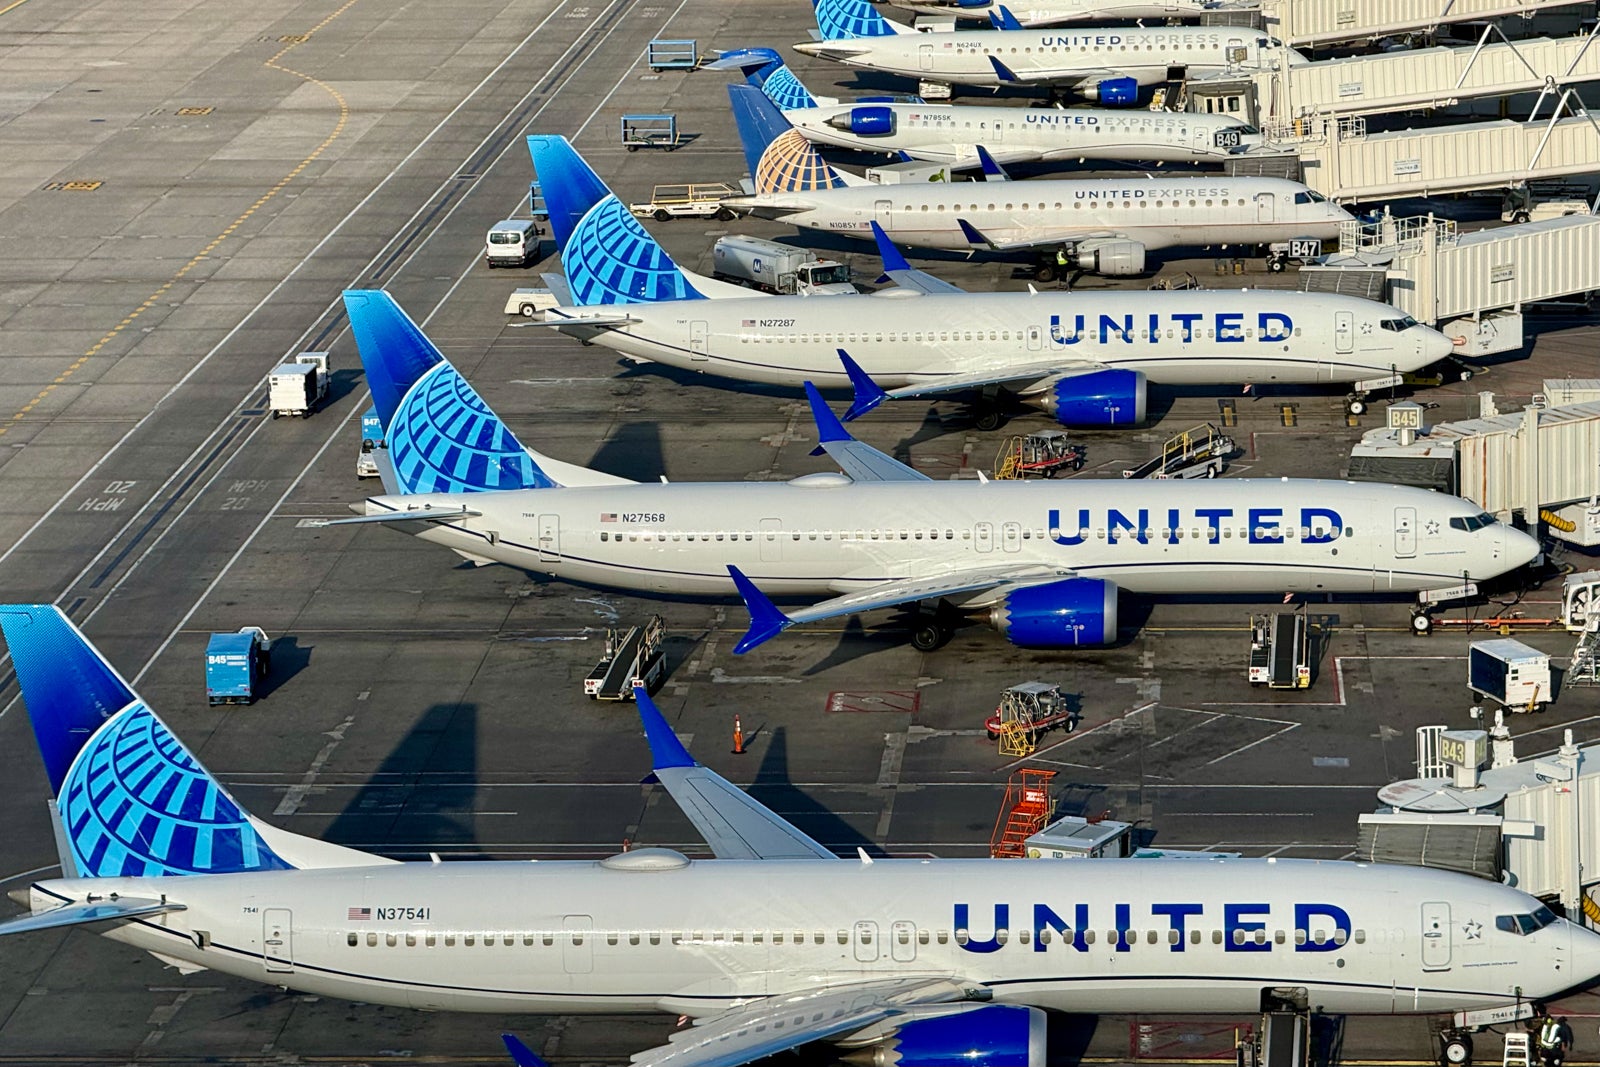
(232, 668)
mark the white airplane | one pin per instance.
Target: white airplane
(1085, 358)
(951, 133)
(1102, 224)
(1109, 64)
(1043, 565)
(773, 944)
(1032, 13)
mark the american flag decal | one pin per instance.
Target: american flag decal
(358, 914)
(608, 516)
(747, 322)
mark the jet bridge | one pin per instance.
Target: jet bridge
(1310, 22)
(1346, 163)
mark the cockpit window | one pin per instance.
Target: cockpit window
(1311, 196)
(1470, 523)
(1522, 925)
(1398, 325)
(1248, 130)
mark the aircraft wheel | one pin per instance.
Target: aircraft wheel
(1044, 272)
(1456, 1050)
(1277, 264)
(989, 419)
(1422, 624)
(1356, 406)
(928, 636)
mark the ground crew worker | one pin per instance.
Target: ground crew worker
(1552, 1041)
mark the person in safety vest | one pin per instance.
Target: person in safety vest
(1553, 1039)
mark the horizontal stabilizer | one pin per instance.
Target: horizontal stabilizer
(419, 515)
(79, 914)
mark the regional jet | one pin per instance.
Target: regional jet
(1086, 359)
(1041, 564)
(1105, 225)
(951, 133)
(1109, 64)
(772, 944)
(1032, 13)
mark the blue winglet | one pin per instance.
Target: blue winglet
(971, 233)
(868, 393)
(766, 621)
(521, 1054)
(829, 428)
(665, 748)
(991, 169)
(892, 259)
(1002, 71)
(1003, 19)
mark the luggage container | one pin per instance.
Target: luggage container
(1508, 671)
(236, 663)
(297, 388)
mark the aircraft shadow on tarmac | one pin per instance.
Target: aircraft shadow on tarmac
(426, 782)
(773, 787)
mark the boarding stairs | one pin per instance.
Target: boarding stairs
(1025, 811)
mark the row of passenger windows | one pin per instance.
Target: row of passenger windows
(1057, 50)
(1273, 533)
(578, 938)
(1077, 205)
(932, 337)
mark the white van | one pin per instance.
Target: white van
(512, 243)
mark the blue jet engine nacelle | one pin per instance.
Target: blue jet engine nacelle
(1072, 613)
(996, 1035)
(1114, 92)
(1096, 398)
(865, 121)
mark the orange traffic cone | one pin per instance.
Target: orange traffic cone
(738, 737)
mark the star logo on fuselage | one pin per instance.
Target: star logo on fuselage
(1433, 527)
(1473, 930)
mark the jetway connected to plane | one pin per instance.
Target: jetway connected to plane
(1293, 100)
(1345, 162)
(1313, 22)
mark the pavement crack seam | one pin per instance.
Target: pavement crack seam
(204, 253)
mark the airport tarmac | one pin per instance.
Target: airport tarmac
(192, 183)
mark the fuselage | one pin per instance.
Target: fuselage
(823, 533)
(651, 932)
(1155, 212)
(950, 133)
(1059, 57)
(1032, 13)
(901, 337)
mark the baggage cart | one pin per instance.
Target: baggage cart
(650, 131)
(665, 53)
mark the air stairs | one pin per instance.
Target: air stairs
(1026, 810)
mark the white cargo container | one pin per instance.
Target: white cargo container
(777, 268)
(297, 388)
(530, 302)
(1510, 672)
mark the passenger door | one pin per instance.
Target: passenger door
(1344, 332)
(1265, 205)
(1405, 532)
(925, 57)
(1436, 935)
(882, 210)
(549, 538)
(697, 339)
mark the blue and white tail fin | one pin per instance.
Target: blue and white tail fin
(442, 437)
(607, 256)
(764, 69)
(841, 20)
(131, 800)
(780, 158)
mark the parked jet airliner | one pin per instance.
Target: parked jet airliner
(1084, 358)
(773, 944)
(1031, 13)
(1040, 562)
(951, 133)
(1108, 64)
(1103, 224)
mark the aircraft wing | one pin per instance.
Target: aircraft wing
(78, 914)
(734, 824)
(859, 460)
(1019, 376)
(765, 1027)
(902, 273)
(1042, 235)
(766, 621)
(1008, 76)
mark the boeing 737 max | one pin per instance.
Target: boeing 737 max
(1040, 561)
(773, 944)
(1085, 358)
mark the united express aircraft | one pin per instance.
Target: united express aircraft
(1042, 562)
(1104, 225)
(1108, 64)
(773, 944)
(1032, 13)
(951, 133)
(1086, 359)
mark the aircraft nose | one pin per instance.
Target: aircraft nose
(1519, 550)
(1583, 951)
(1437, 347)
